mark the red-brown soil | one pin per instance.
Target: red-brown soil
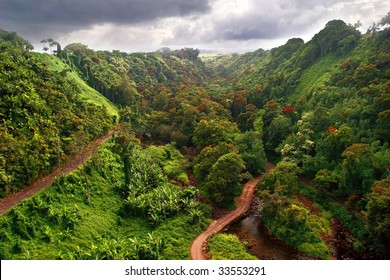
(198, 247)
(10, 201)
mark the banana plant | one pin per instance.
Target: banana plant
(195, 215)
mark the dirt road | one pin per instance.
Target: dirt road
(198, 247)
(10, 201)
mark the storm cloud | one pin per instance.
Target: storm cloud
(61, 16)
(273, 22)
(263, 19)
(146, 25)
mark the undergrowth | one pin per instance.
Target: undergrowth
(228, 247)
(80, 216)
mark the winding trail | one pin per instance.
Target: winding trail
(198, 247)
(14, 199)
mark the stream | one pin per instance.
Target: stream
(262, 244)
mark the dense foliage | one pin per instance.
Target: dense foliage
(44, 118)
(228, 247)
(84, 216)
(324, 107)
(321, 109)
(130, 79)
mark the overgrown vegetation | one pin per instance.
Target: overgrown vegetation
(321, 108)
(324, 107)
(81, 216)
(44, 117)
(287, 218)
(228, 247)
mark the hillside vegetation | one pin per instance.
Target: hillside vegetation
(88, 214)
(320, 110)
(47, 114)
(324, 106)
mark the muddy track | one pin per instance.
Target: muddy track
(10, 201)
(198, 247)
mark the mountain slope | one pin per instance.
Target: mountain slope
(325, 109)
(54, 64)
(46, 114)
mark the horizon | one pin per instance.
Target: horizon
(224, 26)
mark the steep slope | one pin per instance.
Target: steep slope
(325, 108)
(54, 64)
(336, 70)
(127, 79)
(47, 113)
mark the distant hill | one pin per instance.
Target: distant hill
(125, 78)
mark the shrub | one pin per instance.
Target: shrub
(228, 247)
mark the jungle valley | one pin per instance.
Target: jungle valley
(185, 132)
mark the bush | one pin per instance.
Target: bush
(283, 179)
(291, 222)
(228, 247)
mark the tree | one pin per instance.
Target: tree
(378, 216)
(335, 142)
(292, 222)
(124, 144)
(208, 157)
(283, 179)
(328, 40)
(51, 43)
(239, 105)
(224, 179)
(250, 145)
(357, 170)
(373, 28)
(326, 179)
(366, 74)
(276, 132)
(213, 131)
(15, 39)
(45, 48)
(385, 20)
(383, 125)
(357, 25)
(347, 44)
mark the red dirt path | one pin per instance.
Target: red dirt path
(10, 201)
(198, 247)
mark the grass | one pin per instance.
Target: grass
(315, 76)
(228, 247)
(87, 93)
(180, 233)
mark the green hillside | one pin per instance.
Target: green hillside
(54, 64)
(47, 114)
(324, 107)
(316, 76)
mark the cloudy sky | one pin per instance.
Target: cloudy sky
(147, 25)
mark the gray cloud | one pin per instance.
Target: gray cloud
(61, 16)
(273, 19)
(143, 25)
